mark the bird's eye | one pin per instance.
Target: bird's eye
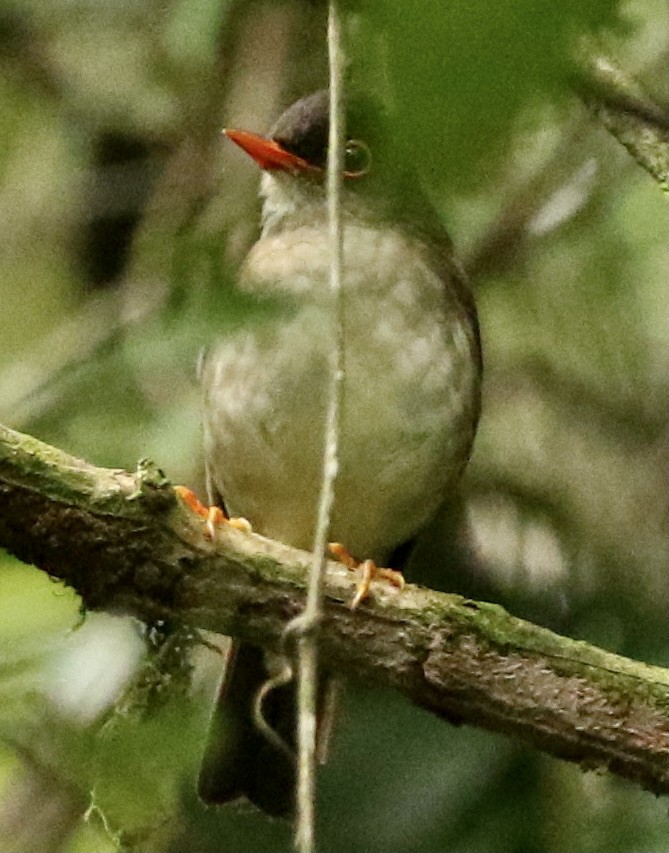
(357, 158)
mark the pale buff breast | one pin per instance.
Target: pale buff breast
(409, 404)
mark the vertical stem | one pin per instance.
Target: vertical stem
(308, 640)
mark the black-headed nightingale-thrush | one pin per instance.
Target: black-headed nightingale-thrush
(410, 397)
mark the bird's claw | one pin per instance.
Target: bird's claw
(370, 572)
(213, 515)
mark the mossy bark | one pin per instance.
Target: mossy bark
(125, 542)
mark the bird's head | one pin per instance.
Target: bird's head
(293, 157)
(298, 142)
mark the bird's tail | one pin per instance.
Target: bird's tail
(240, 760)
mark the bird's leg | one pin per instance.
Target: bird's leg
(214, 515)
(370, 572)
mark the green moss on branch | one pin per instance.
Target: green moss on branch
(125, 542)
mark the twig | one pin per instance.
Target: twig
(125, 543)
(628, 114)
(308, 622)
(507, 237)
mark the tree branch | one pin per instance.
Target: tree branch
(125, 542)
(628, 114)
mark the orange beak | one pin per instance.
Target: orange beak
(267, 153)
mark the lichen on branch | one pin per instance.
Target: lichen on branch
(126, 542)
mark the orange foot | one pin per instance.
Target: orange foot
(213, 514)
(370, 572)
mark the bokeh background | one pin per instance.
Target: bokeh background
(123, 216)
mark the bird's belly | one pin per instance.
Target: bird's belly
(406, 426)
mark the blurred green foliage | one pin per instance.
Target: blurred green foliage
(462, 74)
(110, 159)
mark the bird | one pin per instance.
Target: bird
(411, 390)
